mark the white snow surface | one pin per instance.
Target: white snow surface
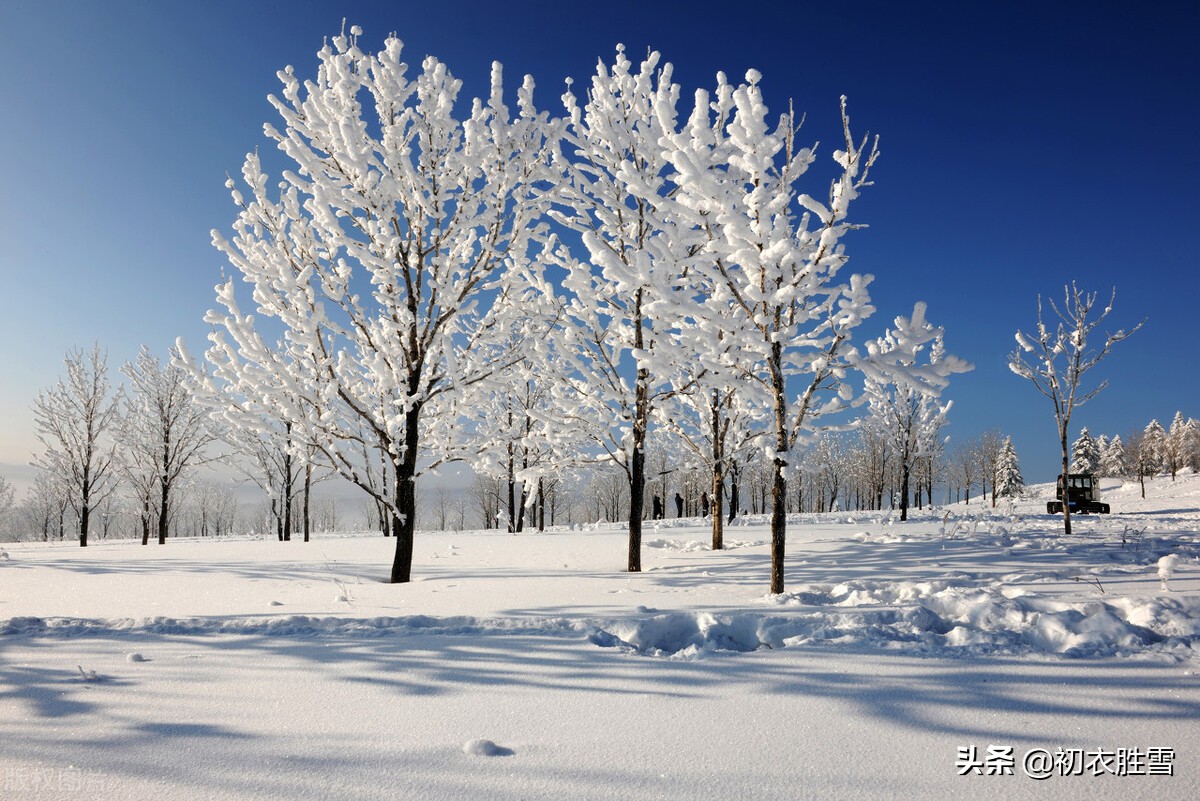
(253, 669)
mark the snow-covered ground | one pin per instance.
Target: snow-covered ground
(532, 667)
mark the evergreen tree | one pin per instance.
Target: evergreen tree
(1175, 446)
(1009, 482)
(1112, 458)
(1152, 454)
(1086, 454)
(1101, 444)
(1192, 456)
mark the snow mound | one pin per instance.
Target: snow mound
(681, 634)
(859, 593)
(924, 617)
(684, 546)
(485, 748)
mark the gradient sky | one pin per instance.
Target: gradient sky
(1024, 145)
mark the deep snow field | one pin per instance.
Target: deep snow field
(531, 666)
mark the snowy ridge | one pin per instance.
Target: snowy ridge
(935, 618)
(949, 622)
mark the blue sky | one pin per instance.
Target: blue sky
(1024, 145)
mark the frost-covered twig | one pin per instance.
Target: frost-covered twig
(1131, 534)
(1093, 581)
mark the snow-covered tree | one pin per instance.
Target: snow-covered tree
(714, 424)
(988, 446)
(7, 500)
(1085, 454)
(965, 462)
(903, 390)
(138, 470)
(1101, 444)
(46, 504)
(518, 431)
(74, 419)
(1192, 450)
(398, 239)
(1009, 482)
(1112, 458)
(1152, 456)
(1058, 356)
(1176, 445)
(626, 301)
(775, 257)
(164, 426)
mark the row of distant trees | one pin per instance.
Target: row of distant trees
(1152, 451)
(144, 437)
(855, 471)
(135, 451)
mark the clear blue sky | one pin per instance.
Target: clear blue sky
(1024, 145)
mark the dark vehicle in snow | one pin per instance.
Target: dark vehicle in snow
(1082, 495)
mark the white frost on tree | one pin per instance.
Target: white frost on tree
(1152, 455)
(7, 496)
(775, 257)
(1057, 356)
(627, 300)
(73, 420)
(1009, 481)
(715, 427)
(905, 372)
(1113, 461)
(164, 426)
(1085, 454)
(384, 256)
(519, 436)
(1177, 444)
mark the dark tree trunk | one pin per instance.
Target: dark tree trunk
(146, 519)
(734, 499)
(778, 483)
(637, 467)
(929, 486)
(164, 512)
(778, 526)
(637, 490)
(404, 525)
(307, 500)
(289, 487)
(541, 504)
(512, 488)
(1066, 478)
(520, 526)
(85, 508)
